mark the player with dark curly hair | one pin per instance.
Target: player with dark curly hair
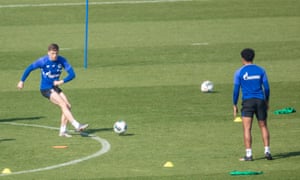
(253, 81)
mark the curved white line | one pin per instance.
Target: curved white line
(105, 148)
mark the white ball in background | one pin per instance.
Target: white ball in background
(207, 86)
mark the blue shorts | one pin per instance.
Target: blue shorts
(47, 92)
(255, 106)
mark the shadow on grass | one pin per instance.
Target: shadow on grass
(283, 155)
(127, 134)
(2, 140)
(286, 155)
(87, 132)
(91, 131)
(21, 119)
(212, 92)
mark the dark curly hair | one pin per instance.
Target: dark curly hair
(248, 54)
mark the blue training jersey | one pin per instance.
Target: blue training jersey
(253, 81)
(50, 71)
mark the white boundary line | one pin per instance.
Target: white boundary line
(200, 44)
(105, 148)
(90, 3)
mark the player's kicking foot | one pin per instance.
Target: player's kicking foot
(246, 158)
(268, 156)
(82, 127)
(65, 134)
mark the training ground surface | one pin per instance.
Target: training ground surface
(146, 61)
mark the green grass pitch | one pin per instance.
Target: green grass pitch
(146, 62)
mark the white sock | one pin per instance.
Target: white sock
(248, 152)
(267, 149)
(63, 128)
(75, 124)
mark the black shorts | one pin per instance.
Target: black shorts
(47, 92)
(255, 106)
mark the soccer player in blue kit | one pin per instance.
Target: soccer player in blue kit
(253, 81)
(51, 66)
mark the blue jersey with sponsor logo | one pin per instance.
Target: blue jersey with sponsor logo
(253, 81)
(50, 71)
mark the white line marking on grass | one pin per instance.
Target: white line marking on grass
(200, 44)
(62, 49)
(90, 3)
(105, 148)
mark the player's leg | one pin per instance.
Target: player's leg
(64, 97)
(262, 122)
(64, 119)
(247, 118)
(264, 132)
(55, 98)
(63, 126)
(58, 100)
(266, 138)
(247, 127)
(63, 103)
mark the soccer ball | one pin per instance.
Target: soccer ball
(207, 86)
(120, 127)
